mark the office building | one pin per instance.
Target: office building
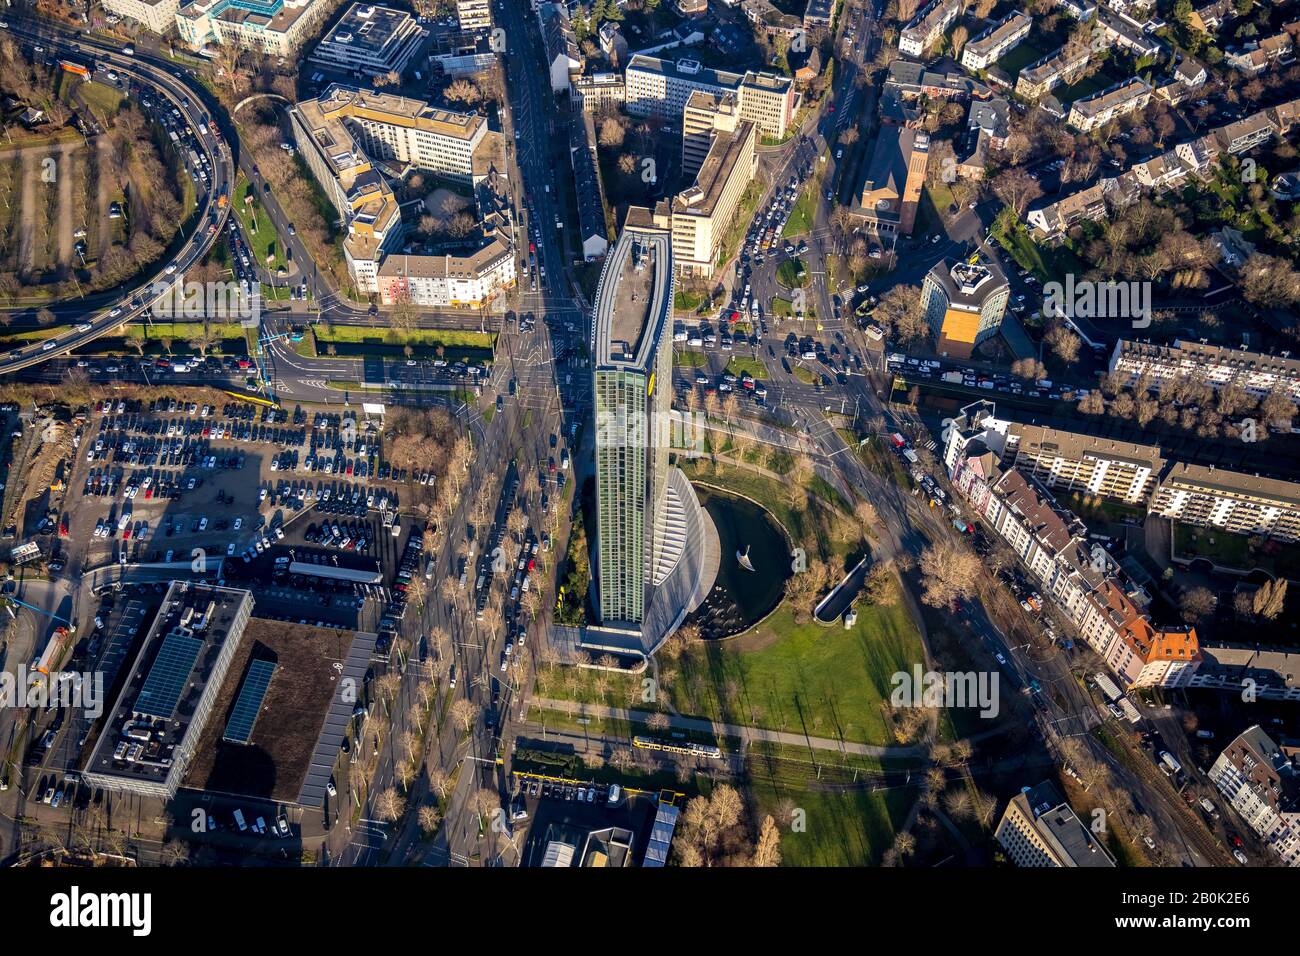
(156, 15)
(633, 353)
(276, 27)
(1038, 828)
(151, 732)
(702, 213)
(1262, 783)
(370, 40)
(656, 548)
(964, 303)
(660, 88)
(347, 134)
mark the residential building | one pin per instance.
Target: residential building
(1191, 73)
(156, 15)
(910, 80)
(612, 43)
(996, 42)
(474, 14)
(1124, 32)
(1257, 56)
(1047, 73)
(440, 282)
(1257, 373)
(1039, 829)
(560, 44)
(819, 13)
(1052, 219)
(276, 27)
(1051, 545)
(964, 303)
(1081, 10)
(1093, 112)
(370, 40)
(1262, 784)
(1208, 17)
(1246, 133)
(928, 26)
(891, 186)
(1073, 461)
(764, 15)
(1230, 501)
(589, 190)
(660, 88)
(1272, 674)
(346, 133)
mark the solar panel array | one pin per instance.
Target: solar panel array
(249, 703)
(171, 669)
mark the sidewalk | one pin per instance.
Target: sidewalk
(746, 734)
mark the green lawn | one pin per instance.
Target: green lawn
(688, 359)
(1020, 57)
(684, 301)
(804, 375)
(792, 274)
(844, 827)
(801, 216)
(258, 229)
(751, 366)
(361, 335)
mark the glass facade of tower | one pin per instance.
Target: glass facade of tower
(631, 398)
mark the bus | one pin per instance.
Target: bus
(72, 66)
(690, 748)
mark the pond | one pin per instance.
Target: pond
(739, 596)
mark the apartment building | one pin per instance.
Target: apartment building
(474, 14)
(890, 192)
(964, 303)
(448, 281)
(928, 26)
(1051, 220)
(156, 15)
(1229, 500)
(996, 42)
(370, 40)
(1257, 373)
(343, 134)
(1051, 545)
(598, 91)
(660, 88)
(909, 80)
(1118, 470)
(1093, 112)
(1273, 674)
(1256, 57)
(1047, 73)
(1039, 829)
(1262, 783)
(560, 42)
(1246, 133)
(1119, 30)
(701, 214)
(276, 27)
